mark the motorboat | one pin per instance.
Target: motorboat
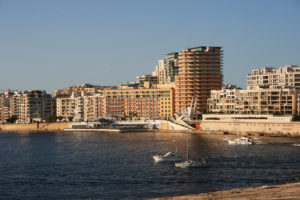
(242, 140)
(170, 157)
(192, 164)
(296, 145)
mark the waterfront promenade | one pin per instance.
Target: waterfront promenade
(279, 192)
(290, 129)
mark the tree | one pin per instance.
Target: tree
(12, 119)
(70, 118)
(59, 118)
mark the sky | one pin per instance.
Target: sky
(54, 44)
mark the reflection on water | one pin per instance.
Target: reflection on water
(120, 165)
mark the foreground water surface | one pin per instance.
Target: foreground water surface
(120, 165)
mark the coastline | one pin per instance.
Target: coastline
(289, 191)
(65, 127)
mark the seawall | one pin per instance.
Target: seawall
(291, 129)
(34, 127)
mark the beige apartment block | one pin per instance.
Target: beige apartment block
(147, 81)
(161, 72)
(199, 72)
(80, 107)
(85, 89)
(223, 101)
(70, 108)
(94, 107)
(4, 108)
(15, 104)
(269, 77)
(65, 107)
(259, 101)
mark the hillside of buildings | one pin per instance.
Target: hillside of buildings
(185, 85)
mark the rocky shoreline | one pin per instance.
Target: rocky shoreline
(290, 191)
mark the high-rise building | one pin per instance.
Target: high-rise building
(167, 69)
(172, 66)
(199, 72)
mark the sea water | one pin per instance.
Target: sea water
(92, 165)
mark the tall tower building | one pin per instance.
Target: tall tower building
(167, 69)
(172, 65)
(199, 72)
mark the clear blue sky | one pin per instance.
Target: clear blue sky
(58, 43)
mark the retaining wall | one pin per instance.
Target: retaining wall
(34, 127)
(267, 128)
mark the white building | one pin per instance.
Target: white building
(269, 77)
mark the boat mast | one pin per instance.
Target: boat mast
(187, 146)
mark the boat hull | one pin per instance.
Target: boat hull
(169, 157)
(191, 164)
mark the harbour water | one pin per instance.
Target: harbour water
(95, 165)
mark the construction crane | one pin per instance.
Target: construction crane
(189, 112)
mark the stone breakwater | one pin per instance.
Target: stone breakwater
(34, 127)
(279, 192)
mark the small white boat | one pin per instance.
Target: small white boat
(192, 164)
(170, 157)
(296, 145)
(242, 140)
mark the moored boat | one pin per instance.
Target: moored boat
(192, 164)
(170, 156)
(242, 140)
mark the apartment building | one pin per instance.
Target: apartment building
(81, 107)
(145, 103)
(4, 108)
(86, 89)
(161, 72)
(269, 77)
(66, 107)
(94, 107)
(146, 81)
(256, 101)
(223, 101)
(199, 72)
(33, 105)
